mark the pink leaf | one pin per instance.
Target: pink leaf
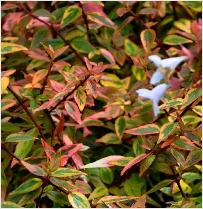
(134, 162)
(73, 111)
(108, 55)
(56, 86)
(49, 150)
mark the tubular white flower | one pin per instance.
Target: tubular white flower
(154, 95)
(170, 64)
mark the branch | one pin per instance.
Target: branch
(64, 98)
(51, 27)
(85, 20)
(177, 180)
(27, 111)
(46, 78)
(45, 179)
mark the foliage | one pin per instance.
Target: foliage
(76, 131)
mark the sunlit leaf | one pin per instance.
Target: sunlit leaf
(78, 200)
(176, 40)
(66, 172)
(7, 48)
(71, 14)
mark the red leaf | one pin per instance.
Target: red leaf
(108, 55)
(56, 86)
(134, 162)
(49, 150)
(73, 111)
(11, 19)
(37, 54)
(34, 169)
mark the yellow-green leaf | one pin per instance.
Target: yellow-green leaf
(9, 204)
(28, 186)
(160, 185)
(145, 164)
(98, 192)
(144, 130)
(78, 200)
(7, 48)
(120, 126)
(80, 98)
(131, 48)
(82, 45)
(4, 83)
(106, 175)
(176, 40)
(112, 199)
(71, 14)
(109, 138)
(191, 96)
(18, 138)
(66, 172)
(166, 130)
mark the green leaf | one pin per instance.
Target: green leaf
(7, 48)
(145, 164)
(40, 36)
(137, 149)
(98, 192)
(18, 138)
(174, 40)
(58, 197)
(148, 37)
(82, 45)
(66, 172)
(144, 130)
(78, 200)
(120, 126)
(28, 186)
(166, 130)
(134, 185)
(71, 14)
(178, 156)
(172, 103)
(9, 204)
(122, 162)
(139, 73)
(109, 138)
(80, 98)
(191, 176)
(65, 185)
(106, 175)
(194, 157)
(112, 199)
(131, 48)
(191, 96)
(160, 185)
(198, 110)
(23, 148)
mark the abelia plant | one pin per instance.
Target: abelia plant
(101, 104)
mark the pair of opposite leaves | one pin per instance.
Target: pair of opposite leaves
(157, 92)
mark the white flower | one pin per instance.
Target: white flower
(154, 95)
(170, 63)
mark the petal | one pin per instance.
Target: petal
(155, 108)
(172, 63)
(144, 93)
(156, 77)
(158, 92)
(155, 59)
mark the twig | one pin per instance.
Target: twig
(46, 78)
(85, 20)
(51, 27)
(177, 180)
(64, 98)
(27, 111)
(45, 179)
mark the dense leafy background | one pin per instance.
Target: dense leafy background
(74, 131)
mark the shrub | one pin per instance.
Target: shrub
(101, 104)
